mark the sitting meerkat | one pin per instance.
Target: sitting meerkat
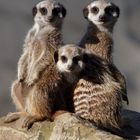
(70, 63)
(96, 94)
(98, 40)
(39, 82)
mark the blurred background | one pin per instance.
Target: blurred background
(16, 20)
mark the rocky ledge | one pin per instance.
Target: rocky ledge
(66, 127)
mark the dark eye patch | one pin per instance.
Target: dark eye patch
(95, 10)
(110, 10)
(76, 59)
(43, 11)
(64, 59)
(34, 11)
(56, 11)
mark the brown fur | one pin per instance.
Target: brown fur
(98, 43)
(70, 69)
(39, 82)
(37, 99)
(98, 40)
(97, 95)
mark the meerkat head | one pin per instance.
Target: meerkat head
(70, 59)
(49, 12)
(101, 12)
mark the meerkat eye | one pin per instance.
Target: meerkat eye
(43, 11)
(64, 59)
(95, 10)
(76, 59)
(56, 11)
(34, 11)
(109, 10)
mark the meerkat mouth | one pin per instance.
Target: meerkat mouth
(98, 22)
(103, 20)
(69, 71)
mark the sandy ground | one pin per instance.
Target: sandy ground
(16, 19)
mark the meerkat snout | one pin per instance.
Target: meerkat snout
(69, 59)
(100, 12)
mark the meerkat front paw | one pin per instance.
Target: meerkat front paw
(32, 79)
(20, 77)
(30, 82)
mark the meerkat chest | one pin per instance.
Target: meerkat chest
(35, 50)
(70, 78)
(101, 45)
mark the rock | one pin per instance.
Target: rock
(65, 127)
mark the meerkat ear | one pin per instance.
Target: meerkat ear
(59, 11)
(56, 56)
(34, 11)
(85, 12)
(116, 11)
(63, 11)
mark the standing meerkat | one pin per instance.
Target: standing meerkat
(39, 82)
(98, 40)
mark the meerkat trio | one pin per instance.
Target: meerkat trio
(47, 70)
(98, 40)
(38, 82)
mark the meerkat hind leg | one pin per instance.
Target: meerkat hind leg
(29, 120)
(37, 107)
(26, 119)
(18, 98)
(11, 117)
(18, 93)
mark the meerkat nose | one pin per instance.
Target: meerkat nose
(70, 67)
(102, 18)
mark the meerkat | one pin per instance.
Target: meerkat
(70, 63)
(38, 80)
(96, 94)
(98, 40)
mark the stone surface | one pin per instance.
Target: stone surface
(16, 19)
(65, 127)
